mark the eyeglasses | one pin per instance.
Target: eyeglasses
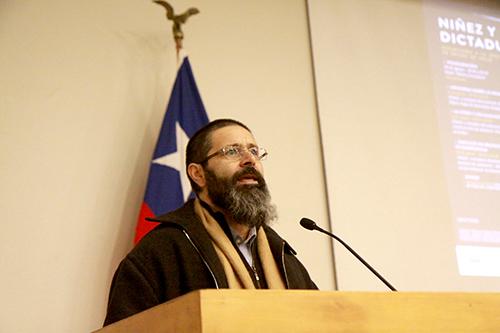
(236, 152)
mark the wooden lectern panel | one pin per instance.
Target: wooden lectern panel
(242, 311)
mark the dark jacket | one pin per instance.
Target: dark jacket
(178, 257)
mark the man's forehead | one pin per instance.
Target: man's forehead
(231, 135)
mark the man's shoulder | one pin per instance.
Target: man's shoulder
(181, 216)
(276, 240)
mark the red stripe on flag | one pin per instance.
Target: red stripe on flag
(143, 226)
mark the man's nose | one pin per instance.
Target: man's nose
(247, 158)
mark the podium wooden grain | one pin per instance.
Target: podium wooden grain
(260, 311)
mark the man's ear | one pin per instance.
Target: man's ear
(197, 174)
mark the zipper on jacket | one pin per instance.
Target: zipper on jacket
(202, 258)
(283, 263)
(254, 270)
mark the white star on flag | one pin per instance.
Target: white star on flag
(176, 159)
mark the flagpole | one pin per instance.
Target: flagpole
(181, 54)
(167, 186)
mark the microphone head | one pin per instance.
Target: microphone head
(307, 223)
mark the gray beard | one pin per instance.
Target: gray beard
(248, 205)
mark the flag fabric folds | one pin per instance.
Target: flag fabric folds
(168, 186)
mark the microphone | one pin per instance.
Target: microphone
(311, 225)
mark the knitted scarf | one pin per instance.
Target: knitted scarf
(237, 275)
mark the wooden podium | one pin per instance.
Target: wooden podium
(295, 311)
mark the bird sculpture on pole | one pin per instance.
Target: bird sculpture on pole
(178, 21)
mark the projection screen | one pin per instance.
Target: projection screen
(409, 107)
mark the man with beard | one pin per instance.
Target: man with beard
(221, 239)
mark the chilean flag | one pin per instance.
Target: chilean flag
(168, 185)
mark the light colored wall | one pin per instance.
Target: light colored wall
(84, 86)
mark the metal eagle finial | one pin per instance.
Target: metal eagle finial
(178, 21)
